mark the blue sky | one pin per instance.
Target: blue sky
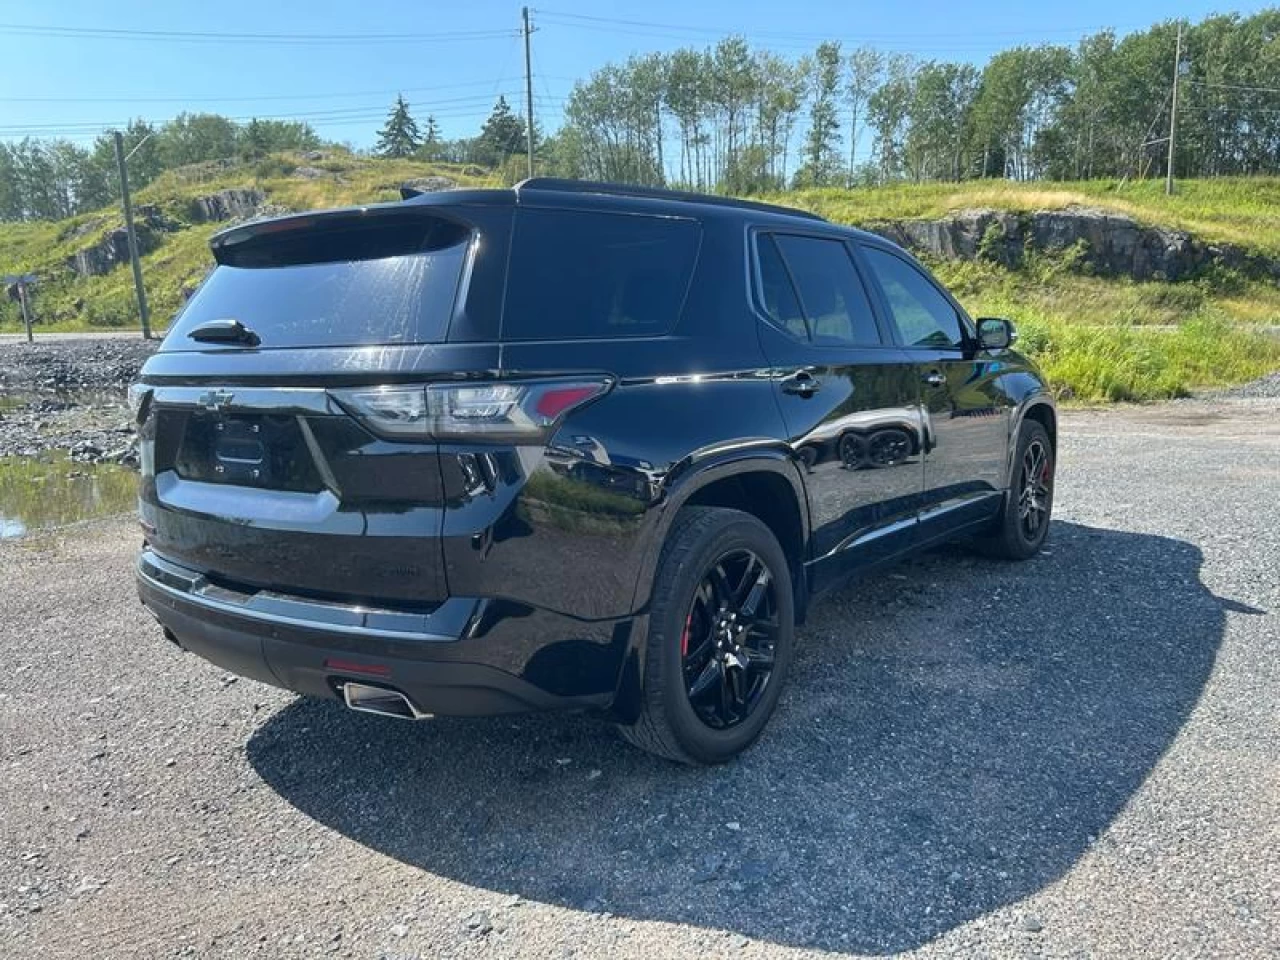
(460, 55)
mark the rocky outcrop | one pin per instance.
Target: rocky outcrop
(234, 203)
(429, 184)
(1106, 243)
(112, 248)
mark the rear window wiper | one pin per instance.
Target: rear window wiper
(224, 331)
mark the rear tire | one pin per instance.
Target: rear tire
(749, 657)
(1023, 524)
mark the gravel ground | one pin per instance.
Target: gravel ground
(70, 395)
(1075, 756)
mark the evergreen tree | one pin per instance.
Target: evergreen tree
(400, 137)
(431, 146)
(502, 135)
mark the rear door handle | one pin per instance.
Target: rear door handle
(802, 383)
(935, 378)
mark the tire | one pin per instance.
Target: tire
(1012, 537)
(684, 602)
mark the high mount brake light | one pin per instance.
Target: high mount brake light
(494, 410)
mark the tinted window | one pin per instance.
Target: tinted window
(925, 318)
(391, 299)
(831, 293)
(776, 292)
(577, 275)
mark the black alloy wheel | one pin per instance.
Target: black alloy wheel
(889, 448)
(720, 632)
(1034, 488)
(727, 647)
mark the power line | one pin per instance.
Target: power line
(811, 37)
(254, 99)
(193, 36)
(1232, 86)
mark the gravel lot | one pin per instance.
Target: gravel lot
(1075, 756)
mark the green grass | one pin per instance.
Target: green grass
(1240, 210)
(1098, 339)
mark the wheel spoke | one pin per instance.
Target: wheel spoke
(759, 659)
(720, 588)
(707, 679)
(753, 598)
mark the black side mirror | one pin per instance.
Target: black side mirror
(995, 333)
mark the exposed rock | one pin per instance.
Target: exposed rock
(111, 250)
(233, 203)
(314, 155)
(429, 184)
(1109, 244)
(311, 173)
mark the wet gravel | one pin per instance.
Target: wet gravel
(70, 395)
(1076, 756)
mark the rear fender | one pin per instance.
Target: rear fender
(694, 473)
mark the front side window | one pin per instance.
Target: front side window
(924, 317)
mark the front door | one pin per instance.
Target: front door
(967, 415)
(849, 398)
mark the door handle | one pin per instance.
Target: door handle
(802, 383)
(935, 378)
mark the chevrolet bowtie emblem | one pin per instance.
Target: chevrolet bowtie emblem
(215, 400)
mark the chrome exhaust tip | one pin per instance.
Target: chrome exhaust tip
(380, 700)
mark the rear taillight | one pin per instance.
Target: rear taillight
(520, 411)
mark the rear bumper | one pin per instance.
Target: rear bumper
(467, 657)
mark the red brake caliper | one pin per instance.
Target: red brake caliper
(684, 637)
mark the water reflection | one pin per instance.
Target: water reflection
(54, 490)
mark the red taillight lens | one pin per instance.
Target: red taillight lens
(555, 401)
(520, 411)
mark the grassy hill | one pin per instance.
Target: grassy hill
(1098, 339)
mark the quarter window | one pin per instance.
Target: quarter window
(811, 288)
(924, 317)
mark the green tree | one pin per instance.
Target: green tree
(866, 67)
(195, 138)
(399, 137)
(821, 157)
(503, 134)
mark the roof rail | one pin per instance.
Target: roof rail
(561, 185)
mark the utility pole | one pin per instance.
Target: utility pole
(528, 89)
(133, 240)
(1173, 112)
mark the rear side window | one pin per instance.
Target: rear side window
(825, 285)
(371, 285)
(582, 275)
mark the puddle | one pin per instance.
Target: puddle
(53, 490)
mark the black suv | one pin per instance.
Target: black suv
(570, 445)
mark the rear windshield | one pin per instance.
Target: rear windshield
(364, 290)
(577, 275)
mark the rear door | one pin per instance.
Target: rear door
(849, 399)
(288, 454)
(967, 414)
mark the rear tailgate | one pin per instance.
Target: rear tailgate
(281, 489)
(255, 474)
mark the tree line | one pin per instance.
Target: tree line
(736, 119)
(741, 120)
(52, 179)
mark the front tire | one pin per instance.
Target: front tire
(721, 629)
(1023, 524)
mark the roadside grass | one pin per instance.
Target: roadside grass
(1239, 210)
(1097, 339)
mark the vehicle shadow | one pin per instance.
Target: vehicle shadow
(956, 734)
